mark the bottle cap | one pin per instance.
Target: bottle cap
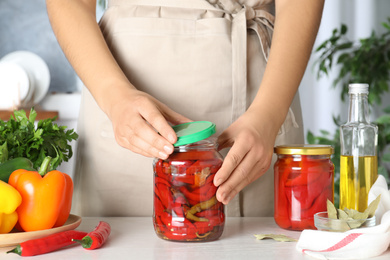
(358, 88)
(193, 132)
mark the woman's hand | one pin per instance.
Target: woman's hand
(249, 157)
(137, 118)
(140, 124)
(252, 136)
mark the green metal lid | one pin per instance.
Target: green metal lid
(193, 132)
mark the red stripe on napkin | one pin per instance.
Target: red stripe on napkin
(342, 243)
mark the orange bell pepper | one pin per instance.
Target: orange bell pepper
(46, 197)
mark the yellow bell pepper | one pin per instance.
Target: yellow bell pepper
(10, 199)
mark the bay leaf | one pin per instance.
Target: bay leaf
(351, 212)
(276, 237)
(355, 223)
(349, 218)
(341, 214)
(373, 207)
(332, 211)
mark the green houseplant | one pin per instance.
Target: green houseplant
(364, 61)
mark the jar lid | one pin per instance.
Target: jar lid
(193, 132)
(304, 149)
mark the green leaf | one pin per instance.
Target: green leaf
(32, 116)
(343, 29)
(385, 119)
(324, 132)
(342, 58)
(344, 46)
(322, 45)
(3, 152)
(310, 137)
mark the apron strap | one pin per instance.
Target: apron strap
(245, 17)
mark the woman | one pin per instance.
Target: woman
(152, 63)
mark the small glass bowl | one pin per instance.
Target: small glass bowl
(323, 223)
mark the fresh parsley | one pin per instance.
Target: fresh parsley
(20, 136)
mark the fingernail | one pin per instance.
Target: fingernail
(221, 197)
(217, 182)
(227, 199)
(168, 149)
(162, 155)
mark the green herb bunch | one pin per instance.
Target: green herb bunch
(21, 137)
(365, 61)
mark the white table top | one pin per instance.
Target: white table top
(134, 238)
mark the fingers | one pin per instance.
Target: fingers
(144, 128)
(160, 135)
(145, 140)
(236, 179)
(232, 160)
(151, 144)
(247, 160)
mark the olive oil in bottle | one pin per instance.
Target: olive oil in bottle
(355, 190)
(358, 162)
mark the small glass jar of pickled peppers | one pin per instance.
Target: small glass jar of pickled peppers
(185, 205)
(304, 177)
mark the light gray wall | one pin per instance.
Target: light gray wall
(24, 25)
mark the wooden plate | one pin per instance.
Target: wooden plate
(15, 238)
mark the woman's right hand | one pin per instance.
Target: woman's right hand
(140, 124)
(140, 121)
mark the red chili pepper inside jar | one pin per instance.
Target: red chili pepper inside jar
(185, 205)
(304, 178)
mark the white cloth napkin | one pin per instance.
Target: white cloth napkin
(356, 243)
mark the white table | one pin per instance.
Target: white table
(134, 238)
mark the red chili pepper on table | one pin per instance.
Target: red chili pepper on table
(47, 244)
(97, 237)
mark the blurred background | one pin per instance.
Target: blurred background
(25, 26)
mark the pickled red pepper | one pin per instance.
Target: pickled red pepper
(302, 187)
(185, 206)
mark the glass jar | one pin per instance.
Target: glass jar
(304, 177)
(185, 205)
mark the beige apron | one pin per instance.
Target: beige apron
(205, 60)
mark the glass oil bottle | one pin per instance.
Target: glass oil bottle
(358, 162)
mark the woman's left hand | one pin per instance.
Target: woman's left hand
(252, 136)
(249, 157)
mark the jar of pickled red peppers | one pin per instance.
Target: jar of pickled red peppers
(304, 178)
(185, 204)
